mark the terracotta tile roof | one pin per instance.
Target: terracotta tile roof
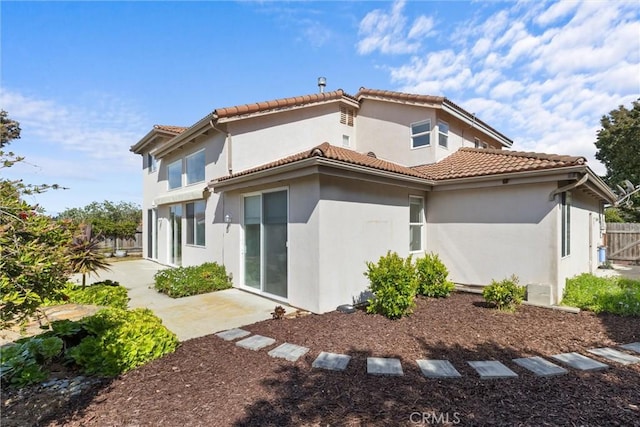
(278, 104)
(172, 129)
(331, 152)
(469, 162)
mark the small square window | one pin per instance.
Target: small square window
(420, 134)
(345, 141)
(443, 134)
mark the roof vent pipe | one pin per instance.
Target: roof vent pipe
(322, 82)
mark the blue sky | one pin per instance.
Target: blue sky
(87, 80)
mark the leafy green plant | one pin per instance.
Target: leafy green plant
(614, 295)
(107, 294)
(24, 363)
(432, 277)
(506, 294)
(393, 284)
(120, 340)
(185, 281)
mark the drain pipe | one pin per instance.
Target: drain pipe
(227, 143)
(568, 187)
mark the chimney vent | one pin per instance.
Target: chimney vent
(322, 82)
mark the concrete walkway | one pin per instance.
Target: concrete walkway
(188, 317)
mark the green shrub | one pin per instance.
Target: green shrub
(393, 284)
(614, 295)
(120, 340)
(506, 295)
(432, 277)
(185, 281)
(24, 363)
(106, 293)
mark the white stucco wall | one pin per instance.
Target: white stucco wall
(271, 137)
(384, 128)
(359, 222)
(585, 238)
(491, 233)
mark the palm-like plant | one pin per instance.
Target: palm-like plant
(86, 258)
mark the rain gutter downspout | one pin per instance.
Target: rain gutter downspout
(568, 187)
(228, 144)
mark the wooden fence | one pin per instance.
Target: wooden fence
(623, 242)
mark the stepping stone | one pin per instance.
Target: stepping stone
(539, 366)
(489, 369)
(290, 352)
(615, 355)
(384, 366)
(634, 346)
(578, 361)
(438, 369)
(255, 342)
(331, 361)
(233, 334)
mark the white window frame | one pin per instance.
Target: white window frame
(346, 141)
(479, 144)
(204, 165)
(152, 163)
(414, 135)
(193, 237)
(179, 161)
(442, 134)
(565, 228)
(417, 224)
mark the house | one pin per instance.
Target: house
(294, 195)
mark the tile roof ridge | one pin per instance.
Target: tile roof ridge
(279, 103)
(398, 95)
(528, 154)
(171, 128)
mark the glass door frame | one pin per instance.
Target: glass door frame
(243, 251)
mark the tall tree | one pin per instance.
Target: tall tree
(34, 249)
(618, 147)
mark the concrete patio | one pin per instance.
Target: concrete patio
(188, 317)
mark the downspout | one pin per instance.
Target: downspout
(568, 187)
(228, 144)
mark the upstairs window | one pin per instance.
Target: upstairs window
(346, 116)
(420, 134)
(174, 173)
(195, 167)
(346, 141)
(478, 144)
(152, 163)
(416, 223)
(443, 134)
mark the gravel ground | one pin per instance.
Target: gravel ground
(212, 382)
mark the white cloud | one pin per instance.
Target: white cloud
(543, 74)
(103, 127)
(386, 31)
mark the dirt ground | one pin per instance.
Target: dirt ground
(212, 382)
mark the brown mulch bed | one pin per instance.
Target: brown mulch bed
(211, 382)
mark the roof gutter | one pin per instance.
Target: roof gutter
(568, 187)
(180, 139)
(316, 161)
(475, 123)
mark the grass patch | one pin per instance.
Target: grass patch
(615, 295)
(185, 281)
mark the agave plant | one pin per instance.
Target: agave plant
(86, 258)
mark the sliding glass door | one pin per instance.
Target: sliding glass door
(265, 242)
(175, 234)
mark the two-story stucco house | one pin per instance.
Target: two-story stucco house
(294, 195)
